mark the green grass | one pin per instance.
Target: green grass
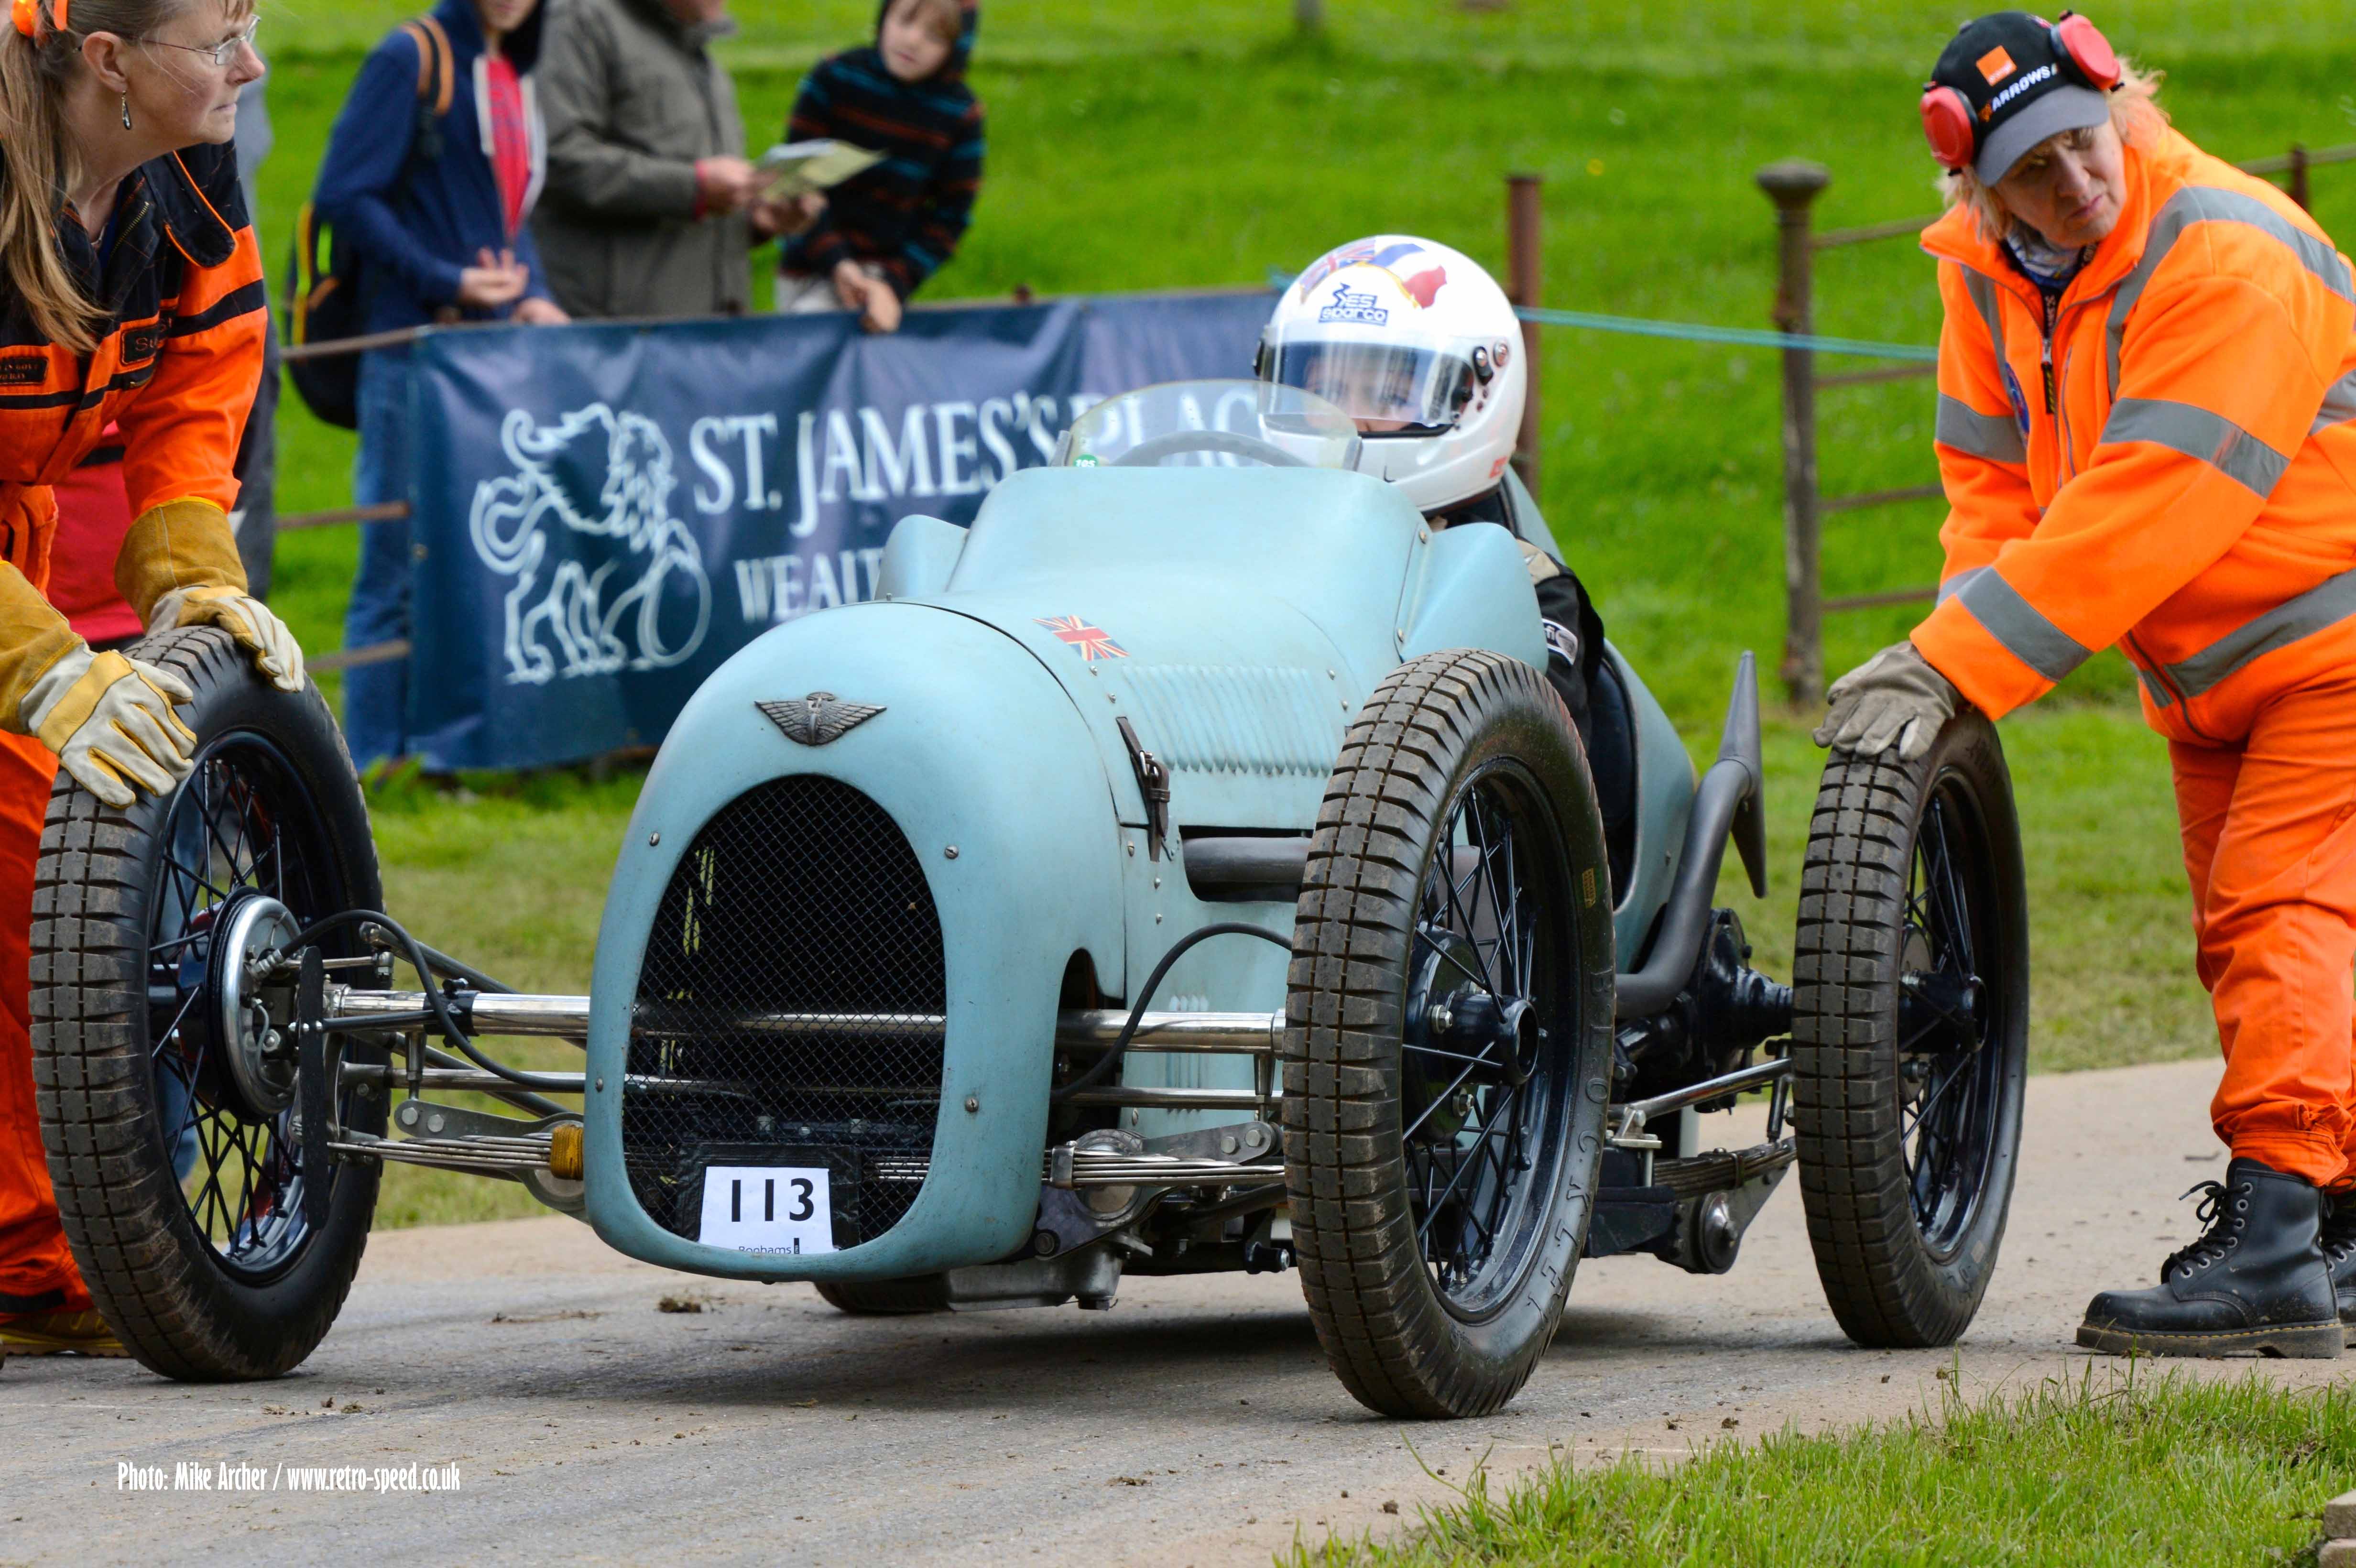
(1135, 146)
(2108, 1470)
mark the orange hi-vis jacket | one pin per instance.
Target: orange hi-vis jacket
(177, 371)
(2170, 462)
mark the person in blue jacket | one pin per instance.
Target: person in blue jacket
(439, 222)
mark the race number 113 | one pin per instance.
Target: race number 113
(767, 1209)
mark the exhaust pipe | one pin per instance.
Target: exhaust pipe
(1728, 802)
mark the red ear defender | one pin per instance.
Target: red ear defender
(1948, 121)
(2088, 51)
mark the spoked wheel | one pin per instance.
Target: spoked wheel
(1911, 1036)
(167, 1098)
(1450, 1037)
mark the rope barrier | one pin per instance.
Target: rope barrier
(1690, 332)
(1739, 336)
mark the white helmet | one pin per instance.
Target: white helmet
(1418, 345)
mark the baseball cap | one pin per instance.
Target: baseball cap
(2021, 86)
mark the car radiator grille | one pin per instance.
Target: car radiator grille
(799, 897)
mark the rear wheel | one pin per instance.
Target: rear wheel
(1910, 1033)
(1450, 1037)
(180, 1174)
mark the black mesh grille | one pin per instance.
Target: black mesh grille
(801, 897)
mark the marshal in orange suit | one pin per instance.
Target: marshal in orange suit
(131, 296)
(2146, 429)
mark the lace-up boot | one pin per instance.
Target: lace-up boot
(2254, 1283)
(2340, 1253)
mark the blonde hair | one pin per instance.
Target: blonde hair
(37, 159)
(2135, 114)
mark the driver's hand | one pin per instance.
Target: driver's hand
(109, 721)
(1894, 699)
(262, 635)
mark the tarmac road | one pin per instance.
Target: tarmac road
(1195, 1425)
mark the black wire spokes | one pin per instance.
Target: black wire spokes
(241, 1172)
(1474, 1110)
(1948, 1078)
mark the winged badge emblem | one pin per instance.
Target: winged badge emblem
(818, 719)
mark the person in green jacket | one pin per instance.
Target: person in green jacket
(651, 208)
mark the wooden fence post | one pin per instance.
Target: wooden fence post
(1526, 285)
(2298, 188)
(1793, 186)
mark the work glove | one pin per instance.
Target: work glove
(261, 634)
(1893, 700)
(109, 721)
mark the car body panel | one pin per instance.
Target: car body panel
(1238, 618)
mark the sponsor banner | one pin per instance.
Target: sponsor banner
(603, 514)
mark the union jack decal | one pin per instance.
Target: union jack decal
(1091, 643)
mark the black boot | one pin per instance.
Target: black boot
(2254, 1283)
(2339, 1252)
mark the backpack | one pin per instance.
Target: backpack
(323, 304)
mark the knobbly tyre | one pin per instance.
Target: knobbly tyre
(1187, 869)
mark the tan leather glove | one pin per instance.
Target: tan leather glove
(261, 634)
(1893, 700)
(109, 721)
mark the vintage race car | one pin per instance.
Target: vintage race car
(1188, 868)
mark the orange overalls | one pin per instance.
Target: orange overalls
(177, 373)
(2170, 463)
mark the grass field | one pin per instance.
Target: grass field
(2108, 1471)
(1135, 146)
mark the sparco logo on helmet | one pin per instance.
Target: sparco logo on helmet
(1359, 308)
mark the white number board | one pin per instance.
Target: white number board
(766, 1209)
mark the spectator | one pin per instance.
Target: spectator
(440, 230)
(652, 209)
(888, 230)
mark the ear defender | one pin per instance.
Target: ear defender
(1948, 121)
(2082, 44)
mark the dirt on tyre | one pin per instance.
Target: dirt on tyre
(1448, 1048)
(1910, 1033)
(180, 1175)
(886, 1297)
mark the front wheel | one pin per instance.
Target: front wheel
(180, 1177)
(1448, 1044)
(1910, 1033)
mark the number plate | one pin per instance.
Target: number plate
(767, 1209)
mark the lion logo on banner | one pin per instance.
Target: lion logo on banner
(627, 589)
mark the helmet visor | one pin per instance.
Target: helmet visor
(1390, 389)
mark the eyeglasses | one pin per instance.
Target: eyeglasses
(223, 55)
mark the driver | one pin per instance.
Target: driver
(1420, 346)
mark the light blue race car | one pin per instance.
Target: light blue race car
(1187, 867)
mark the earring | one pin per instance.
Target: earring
(126, 111)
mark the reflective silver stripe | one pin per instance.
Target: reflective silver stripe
(2022, 627)
(1961, 580)
(2318, 609)
(2208, 204)
(1993, 436)
(2158, 688)
(1983, 289)
(2197, 432)
(2339, 405)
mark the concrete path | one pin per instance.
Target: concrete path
(1195, 1424)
